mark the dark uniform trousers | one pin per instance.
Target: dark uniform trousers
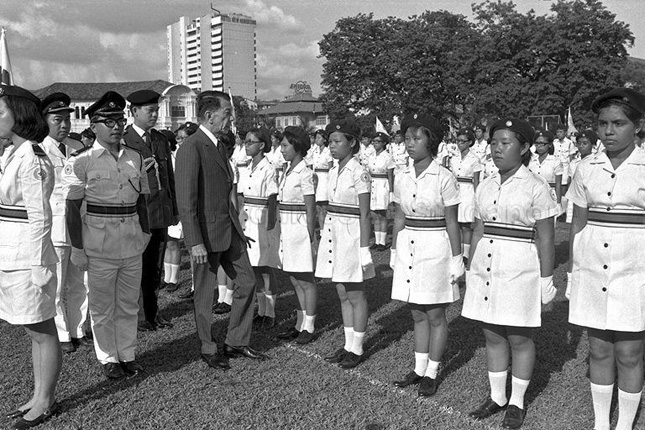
(151, 276)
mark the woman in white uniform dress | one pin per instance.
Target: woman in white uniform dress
(27, 255)
(585, 143)
(343, 254)
(381, 166)
(297, 222)
(321, 162)
(511, 266)
(607, 245)
(547, 165)
(426, 248)
(259, 186)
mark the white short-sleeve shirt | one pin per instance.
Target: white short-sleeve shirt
(410, 191)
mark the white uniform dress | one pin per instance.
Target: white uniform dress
(257, 184)
(364, 153)
(564, 149)
(464, 170)
(321, 161)
(503, 283)
(26, 184)
(277, 159)
(548, 169)
(423, 252)
(608, 285)
(489, 169)
(295, 243)
(240, 159)
(339, 250)
(573, 166)
(378, 165)
(481, 149)
(400, 156)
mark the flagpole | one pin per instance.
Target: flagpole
(6, 75)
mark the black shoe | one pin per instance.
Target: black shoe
(187, 294)
(486, 409)
(67, 347)
(337, 356)
(22, 423)
(131, 368)
(222, 308)
(514, 417)
(161, 322)
(289, 334)
(374, 246)
(245, 351)
(304, 337)
(82, 341)
(268, 322)
(146, 326)
(113, 371)
(216, 361)
(258, 320)
(350, 360)
(171, 287)
(427, 386)
(410, 379)
(18, 413)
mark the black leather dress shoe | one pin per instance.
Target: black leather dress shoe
(131, 368)
(67, 347)
(186, 294)
(171, 287)
(113, 371)
(304, 337)
(22, 423)
(268, 322)
(514, 417)
(161, 322)
(258, 320)
(350, 360)
(216, 361)
(486, 409)
(337, 356)
(146, 326)
(427, 386)
(222, 308)
(410, 379)
(289, 334)
(82, 341)
(245, 351)
(16, 414)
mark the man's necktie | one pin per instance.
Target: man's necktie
(146, 138)
(62, 149)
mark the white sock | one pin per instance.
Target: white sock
(357, 343)
(166, 272)
(628, 404)
(270, 312)
(497, 382)
(300, 320)
(466, 250)
(221, 293)
(601, 397)
(228, 297)
(349, 338)
(309, 323)
(518, 389)
(262, 303)
(174, 273)
(433, 369)
(420, 363)
(379, 237)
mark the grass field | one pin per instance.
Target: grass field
(296, 388)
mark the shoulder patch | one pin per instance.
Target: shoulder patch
(68, 169)
(365, 177)
(40, 174)
(80, 151)
(38, 150)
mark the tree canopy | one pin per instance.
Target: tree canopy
(502, 63)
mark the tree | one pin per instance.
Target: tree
(245, 117)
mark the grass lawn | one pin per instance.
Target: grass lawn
(296, 388)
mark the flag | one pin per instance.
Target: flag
(233, 127)
(6, 76)
(380, 128)
(571, 128)
(396, 124)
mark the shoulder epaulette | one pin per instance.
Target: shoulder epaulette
(80, 151)
(38, 150)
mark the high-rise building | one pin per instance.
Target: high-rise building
(214, 52)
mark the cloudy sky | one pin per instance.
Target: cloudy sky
(125, 40)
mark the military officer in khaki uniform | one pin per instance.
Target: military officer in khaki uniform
(71, 292)
(109, 239)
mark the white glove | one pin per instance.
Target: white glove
(457, 267)
(366, 258)
(547, 289)
(41, 275)
(79, 259)
(392, 257)
(567, 293)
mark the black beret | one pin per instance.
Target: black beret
(110, 104)
(561, 127)
(276, 133)
(144, 97)
(631, 98)
(346, 126)
(589, 134)
(322, 132)
(300, 133)
(519, 126)
(15, 91)
(383, 136)
(422, 120)
(466, 132)
(56, 102)
(543, 133)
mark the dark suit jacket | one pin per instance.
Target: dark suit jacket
(162, 203)
(204, 187)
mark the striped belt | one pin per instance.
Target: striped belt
(509, 231)
(256, 201)
(107, 211)
(351, 211)
(13, 213)
(292, 207)
(438, 223)
(378, 175)
(634, 218)
(464, 179)
(242, 164)
(552, 184)
(321, 170)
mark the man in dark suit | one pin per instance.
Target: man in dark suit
(162, 204)
(212, 230)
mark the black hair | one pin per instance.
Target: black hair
(88, 134)
(469, 135)
(551, 150)
(263, 138)
(526, 157)
(299, 145)
(384, 137)
(324, 135)
(433, 141)
(172, 141)
(29, 122)
(210, 100)
(630, 112)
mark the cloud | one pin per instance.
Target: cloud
(271, 15)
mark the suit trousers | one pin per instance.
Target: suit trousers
(71, 297)
(114, 293)
(236, 264)
(151, 276)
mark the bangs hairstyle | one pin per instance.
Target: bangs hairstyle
(324, 136)
(301, 146)
(209, 101)
(630, 112)
(263, 138)
(433, 141)
(29, 121)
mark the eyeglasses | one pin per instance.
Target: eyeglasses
(542, 143)
(110, 123)
(251, 142)
(463, 140)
